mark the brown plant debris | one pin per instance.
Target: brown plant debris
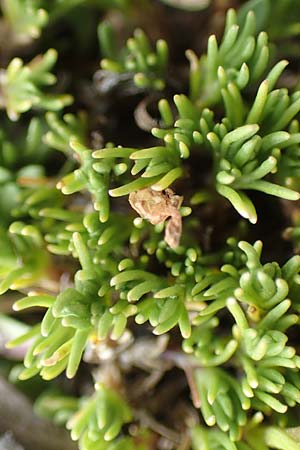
(158, 206)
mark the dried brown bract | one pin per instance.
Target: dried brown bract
(158, 206)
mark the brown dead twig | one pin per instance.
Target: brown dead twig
(34, 433)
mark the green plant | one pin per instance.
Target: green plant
(108, 280)
(148, 67)
(27, 18)
(20, 86)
